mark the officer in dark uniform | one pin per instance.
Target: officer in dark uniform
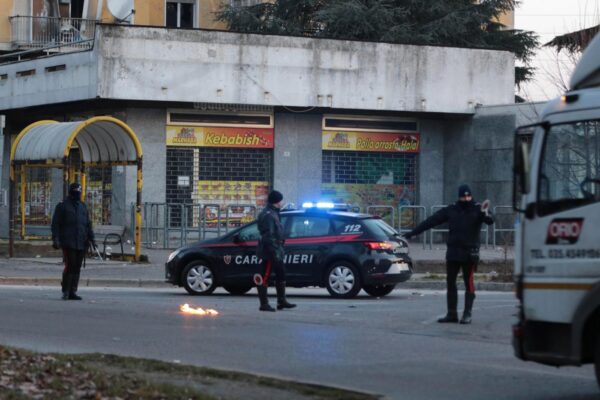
(270, 250)
(72, 231)
(464, 218)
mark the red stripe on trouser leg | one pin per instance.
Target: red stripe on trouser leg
(268, 264)
(471, 285)
(65, 261)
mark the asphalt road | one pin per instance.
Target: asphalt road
(390, 346)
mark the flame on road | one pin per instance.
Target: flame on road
(186, 309)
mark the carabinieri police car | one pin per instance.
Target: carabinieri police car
(325, 246)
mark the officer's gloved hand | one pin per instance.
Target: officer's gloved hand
(55, 244)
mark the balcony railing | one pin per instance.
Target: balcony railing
(44, 32)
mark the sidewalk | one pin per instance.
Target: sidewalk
(429, 270)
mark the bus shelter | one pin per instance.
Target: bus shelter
(97, 142)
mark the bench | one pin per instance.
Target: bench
(109, 234)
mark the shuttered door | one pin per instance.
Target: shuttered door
(371, 163)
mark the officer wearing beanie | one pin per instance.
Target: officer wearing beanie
(72, 231)
(464, 219)
(270, 250)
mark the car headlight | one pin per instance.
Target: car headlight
(172, 256)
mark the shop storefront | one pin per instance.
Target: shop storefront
(371, 162)
(220, 160)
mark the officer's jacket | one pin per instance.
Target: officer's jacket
(464, 225)
(71, 225)
(271, 234)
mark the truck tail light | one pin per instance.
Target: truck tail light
(379, 245)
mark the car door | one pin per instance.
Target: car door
(239, 260)
(305, 247)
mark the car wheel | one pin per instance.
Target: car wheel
(238, 289)
(379, 290)
(199, 278)
(342, 280)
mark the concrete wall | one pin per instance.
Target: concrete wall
(431, 162)
(149, 126)
(78, 81)
(298, 156)
(221, 67)
(479, 151)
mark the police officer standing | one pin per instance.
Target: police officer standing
(72, 231)
(464, 218)
(270, 250)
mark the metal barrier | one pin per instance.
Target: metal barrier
(499, 224)
(209, 217)
(355, 209)
(152, 223)
(192, 226)
(231, 215)
(383, 207)
(173, 225)
(416, 211)
(40, 32)
(433, 231)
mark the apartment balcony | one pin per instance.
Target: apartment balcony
(51, 33)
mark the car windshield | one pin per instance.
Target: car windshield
(379, 228)
(570, 170)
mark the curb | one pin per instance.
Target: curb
(89, 282)
(441, 285)
(93, 282)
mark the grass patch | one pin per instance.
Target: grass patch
(30, 375)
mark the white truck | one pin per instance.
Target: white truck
(557, 239)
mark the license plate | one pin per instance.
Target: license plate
(398, 268)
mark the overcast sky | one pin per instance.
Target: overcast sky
(550, 18)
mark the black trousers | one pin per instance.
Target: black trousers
(452, 269)
(72, 259)
(272, 265)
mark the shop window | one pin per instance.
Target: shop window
(180, 14)
(348, 122)
(188, 117)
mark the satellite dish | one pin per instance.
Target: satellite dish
(122, 10)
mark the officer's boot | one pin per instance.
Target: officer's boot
(451, 302)
(74, 286)
(264, 300)
(281, 300)
(469, 298)
(66, 283)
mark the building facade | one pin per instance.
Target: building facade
(225, 117)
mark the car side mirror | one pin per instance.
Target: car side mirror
(237, 238)
(521, 169)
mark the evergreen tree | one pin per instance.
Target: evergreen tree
(458, 23)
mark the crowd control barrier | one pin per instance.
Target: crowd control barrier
(504, 224)
(388, 214)
(410, 217)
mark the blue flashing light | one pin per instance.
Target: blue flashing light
(325, 204)
(320, 205)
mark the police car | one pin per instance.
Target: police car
(325, 246)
